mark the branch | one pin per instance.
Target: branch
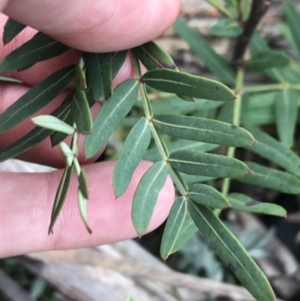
(258, 9)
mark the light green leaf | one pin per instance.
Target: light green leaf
(153, 57)
(286, 109)
(36, 98)
(82, 204)
(208, 196)
(34, 137)
(110, 116)
(214, 62)
(231, 252)
(117, 61)
(220, 6)
(204, 130)
(53, 123)
(58, 137)
(246, 9)
(67, 153)
(245, 203)
(186, 98)
(272, 178)
(80, 110)
(11, 29)
(37, 49)
(153, 154)
(211, 165)
(271, 149)
(146, 196)
(173, 228)
(293, 17)
(226, 28)
(267, 59)
(177, 82)
(132, 152)
(286, 32)
(99, 74)
(60, 196)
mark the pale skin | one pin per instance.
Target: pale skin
(26, 199)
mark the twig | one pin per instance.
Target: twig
(258, 9)
(11, 289)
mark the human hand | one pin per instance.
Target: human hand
(27, 199)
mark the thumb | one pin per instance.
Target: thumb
(97, 25)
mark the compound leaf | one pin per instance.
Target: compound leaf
(110, 116)
(204, 130)
(146, 195)
(132, 152)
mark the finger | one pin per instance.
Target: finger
(97, 25)
(27, 204)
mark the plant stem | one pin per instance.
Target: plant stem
(271, 87)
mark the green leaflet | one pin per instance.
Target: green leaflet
(286, 109)
(208, 196)
(273, 150)
(182, 83)
(232, 253)
(211, 165)
(245, 203)
(226, 28)
(267, 59)
(36, 98)
(173, 228)
(286, 32)
(83, 184)
(204, 130)
(53, 123)
(246, 9)
(60, 196)
(272, 178)
(132, 152)
(146, 196)
(67, 153)
(153, 153)
(152, 56)
(58, 137)
(117, 61)
(214, 62)
(293, 17)
(110, 116)
(34, 137)
(99, 74)
(81, 113)
(193, 179)
(82, 204)
(39, 48)
(11, 29)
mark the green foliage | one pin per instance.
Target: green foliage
(181, 134)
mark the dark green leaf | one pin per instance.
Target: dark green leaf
(177, 82)
(193, 179)
(245, 203)
(34, 137)
(173, 228)
(83, 184)
(267, 59)
(110, 116)
(53, 123)
(153, 57)
(273, 150)
(60, 196)
(99, 74)
(232, 253)
(132, 152)
(117, 61)
(153, 154)
(204, 130)
(293, 18)
(36, 98)
(82, 204)
(226, 28)
(80, 110)
(11, 29)
(214, 62)
(211, 165)
(37, 49)
(80, 80)
(272, 178)
(146, 196)
(208, 196)
(286, 109)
